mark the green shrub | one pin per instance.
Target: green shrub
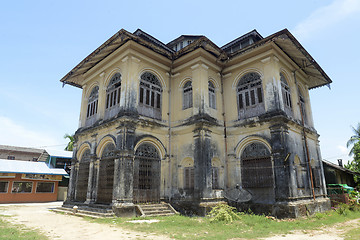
(223, 213)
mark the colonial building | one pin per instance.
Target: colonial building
(188, 121)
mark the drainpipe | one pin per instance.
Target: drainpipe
(169, 131)
(224, 119)
(305, 140)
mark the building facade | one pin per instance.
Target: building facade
(188, 122)
(28, 181)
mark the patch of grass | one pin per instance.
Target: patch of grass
(248, 226)
(352, 234)
(9, 231)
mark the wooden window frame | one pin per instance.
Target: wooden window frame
(150, 96)
(250, 99)
(212, 95)
(189, 178)
(286, 94)
(187, 95)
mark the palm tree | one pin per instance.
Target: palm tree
(354, 139)
(70, 145)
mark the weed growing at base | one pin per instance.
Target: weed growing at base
(9, 231)
(246, 225)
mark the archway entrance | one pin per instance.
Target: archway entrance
(83, 177)
(106, 175)
(146, 174)
(257, 172)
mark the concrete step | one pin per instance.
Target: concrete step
(89, 212)
(156, 210)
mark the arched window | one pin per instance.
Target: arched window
(150, 96)
(188, 96)
(212, 96)
(92, 106)
(83, 177)
(250, 95)
(302, 107)
(286, 94)
(256, 166)
(93, 102)
(113, 95)
(106, 175)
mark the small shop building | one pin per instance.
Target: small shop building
(23, 181)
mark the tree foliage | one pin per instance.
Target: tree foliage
(70, 145)
(354, 141)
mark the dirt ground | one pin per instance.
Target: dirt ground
(67, 227)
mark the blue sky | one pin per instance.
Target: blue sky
(41, 41)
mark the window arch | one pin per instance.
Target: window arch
(256, 166)
(212, 96)
(113, 92)
(250, 95)
(187, 95)
(93, 102)
(150, 96)
(286, 94)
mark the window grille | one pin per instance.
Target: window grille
(286, 94)
(106, 175)
(150, 96)
(188, 95)
(147, 174)
(212, 96)
(256, 166)
(83, 177)
(250, 95)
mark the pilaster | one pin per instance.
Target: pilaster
(271, 83)
(200, 78)
(202, 164)
(279, 144)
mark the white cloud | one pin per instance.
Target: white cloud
(343, 149)
(15, 134)
(326, 17)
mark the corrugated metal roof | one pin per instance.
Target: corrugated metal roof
(59, 153)
(14, 166)
(21, 149)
